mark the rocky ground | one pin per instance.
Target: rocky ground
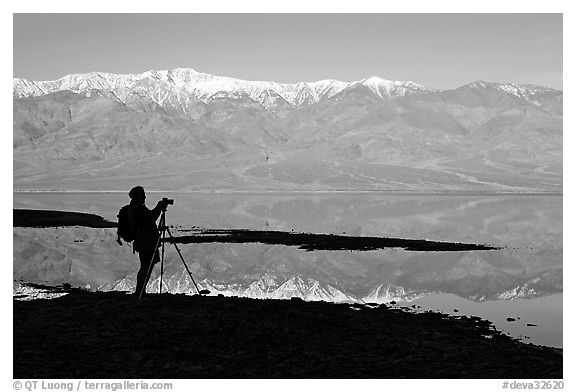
(113, 335)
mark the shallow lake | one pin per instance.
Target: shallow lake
(518, 287)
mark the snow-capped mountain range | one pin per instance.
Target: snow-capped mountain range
(87, 131)
(527, 91)
(270, 286)
(182, 85)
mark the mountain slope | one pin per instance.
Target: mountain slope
(185, 130)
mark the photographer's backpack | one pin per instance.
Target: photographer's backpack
(125, 229)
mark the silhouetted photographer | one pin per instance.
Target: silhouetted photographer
(143, 231)
(137, 223)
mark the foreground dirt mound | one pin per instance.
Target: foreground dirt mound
(113, 335)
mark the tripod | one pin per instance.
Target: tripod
(164, 229)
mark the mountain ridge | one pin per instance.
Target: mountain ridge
(270, 286)
(372, 134)
(203, 85)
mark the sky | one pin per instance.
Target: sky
(436, 50)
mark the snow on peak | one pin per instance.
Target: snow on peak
(521, 90)
(266, 286)
(386, 292)
(189, 84)
(385, 88)
(511, 88)
(379, 86)
(378, 81)
(527, 92)
(478, 84)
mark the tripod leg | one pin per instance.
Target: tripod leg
(162, 220)
(162, 260)
(182, 258)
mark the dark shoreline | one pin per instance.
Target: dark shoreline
(113, 335)
(310, 241)
(50, 218)
(307, 241)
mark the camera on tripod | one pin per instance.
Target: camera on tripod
(163, 230)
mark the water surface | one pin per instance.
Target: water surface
(522, 281)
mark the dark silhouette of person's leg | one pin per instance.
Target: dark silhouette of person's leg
(142, 277)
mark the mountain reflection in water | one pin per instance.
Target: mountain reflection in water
(527, 227)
